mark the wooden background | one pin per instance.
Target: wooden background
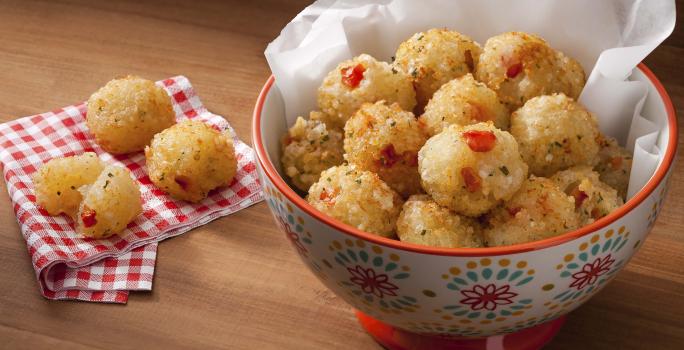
(236, 283)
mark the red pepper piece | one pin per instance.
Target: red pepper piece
(580, 196)
(514, 70)
(88, 217)
(513, 211)
(352, 76)
(182, 181)
(471, 179)
(389, 156)
(480, 141)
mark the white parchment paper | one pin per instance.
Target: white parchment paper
(608, 37)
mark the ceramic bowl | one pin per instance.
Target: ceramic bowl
(402, 289)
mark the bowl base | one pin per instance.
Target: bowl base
(396, 339)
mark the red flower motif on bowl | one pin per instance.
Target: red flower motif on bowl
(292, 236)
(591, 271)
(372, 282)
(487, 297)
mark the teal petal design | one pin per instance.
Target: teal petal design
(402, 275)
(583, 257)
(363, 255)
(472, 275)
(377, 261)
(460, 281)
(502, 274)
(606, 246)
(391, 266)
(515, 275)
(572, 266)
(617, 241)
(486, 273)
(351, 254)
(595, 249)
(524, 281)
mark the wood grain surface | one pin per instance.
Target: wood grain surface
(235, 283)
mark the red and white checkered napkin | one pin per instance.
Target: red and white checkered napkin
(72, 267)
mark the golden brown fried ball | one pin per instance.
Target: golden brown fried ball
(555, 133)
(109, 204)
(125, 114)
(190, 159)
(593, 198)
(422, 221)
(358, 198)
(537, 211)
(310, 147)
(520, 66)
(56, 183)
(464, 101)
(360, 80)
(385, 139)
(434, 57)
(470, 169)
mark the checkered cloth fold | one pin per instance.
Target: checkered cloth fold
(72, 267)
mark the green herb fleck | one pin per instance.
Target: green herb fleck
(358, 181)
(59, 193)
(325, 138)
(393, 123)
(579, 137)
(392, 59)
(106, 184)
(422, 233)
(557, 143)
(414, 72)
(504, 170)
(420, 37)
(394, 70)
(329, 179)
(73, 187)
(110, 175)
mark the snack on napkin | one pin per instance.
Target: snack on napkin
(57, 182)
(190, 159)
(71, 267)
(125, 114)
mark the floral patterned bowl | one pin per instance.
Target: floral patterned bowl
(408, 294)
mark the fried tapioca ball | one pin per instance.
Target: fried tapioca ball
(537, 211)
(554, 133)
(360, 80)
(109, 204)
(614, 165)
(125, 114)
(190, 159)
(593, 198)
(434, 57)
(358, 198)
(309, 147)
(470, 169)
(56, 183)
(422, 221)
(464, 101)
(386, 140)
(520, 66)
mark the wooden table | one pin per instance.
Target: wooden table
(236, 283)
